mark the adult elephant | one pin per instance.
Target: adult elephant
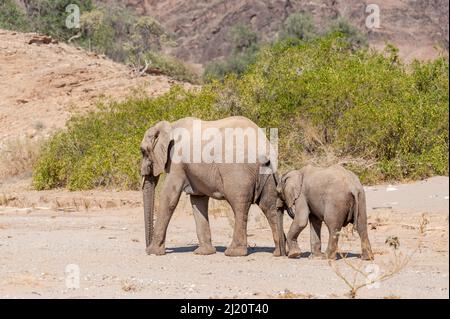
(196, 156)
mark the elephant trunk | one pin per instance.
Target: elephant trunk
(149, 183)
(282, 237)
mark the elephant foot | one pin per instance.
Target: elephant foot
(294, 252)
(238, 251)
(317, 255)
(330, 255)
(156, 250)
(293, 249)
(277, 252)
(367, 255)
(205, 250)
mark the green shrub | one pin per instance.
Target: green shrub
(330, 102)
(299, 27)
(356, 38)
(235, 64)
(361, 103)
(119, 33)
(49, 16)
(101, 149)
(170, 66)
(245, 47)
(12, 17)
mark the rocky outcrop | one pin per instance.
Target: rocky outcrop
(201, 27)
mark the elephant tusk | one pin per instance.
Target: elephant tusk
(142, 182)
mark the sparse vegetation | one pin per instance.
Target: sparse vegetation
(11, 17)
(18, 156)
(299, 27)
(246, 46)
(170, 66)
(359, 274)
(287, 294)
(49, 16)
(351, 33)
(110, 29)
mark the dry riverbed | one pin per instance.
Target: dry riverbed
(101, 235)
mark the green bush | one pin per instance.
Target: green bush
(361, 104)
(356, 38)
(49, 16)
(101, 149)
(12, 17)
(299, 27)
(245, 47)
(389, 121)
(125, 37)
(170, 66)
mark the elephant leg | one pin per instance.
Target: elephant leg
(169, 198)
(271, 215)
(200, 209)
(298, 224)
(315, 225)
(366, 250)
(333, 238)
(238, 246)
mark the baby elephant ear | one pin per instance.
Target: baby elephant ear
(292, 187)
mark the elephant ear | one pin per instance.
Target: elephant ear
(291, 184)
(159, 143)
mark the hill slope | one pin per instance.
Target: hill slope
(202, 26)
(42, 85)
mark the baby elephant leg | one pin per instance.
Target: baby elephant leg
(333, 229)
(315, 225)
(299, 223)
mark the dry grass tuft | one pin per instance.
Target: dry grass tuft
(359, 274)
(6, 199)
(287, 294)
(424, 221)
(129, 286)
(18, 157)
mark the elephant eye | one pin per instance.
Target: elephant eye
(142, 151)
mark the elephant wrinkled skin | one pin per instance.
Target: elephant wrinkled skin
(241, 184)
(332, 195)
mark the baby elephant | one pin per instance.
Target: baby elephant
(333, 195)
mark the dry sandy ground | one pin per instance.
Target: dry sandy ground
(102, 233)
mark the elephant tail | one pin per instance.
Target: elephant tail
(358, 208)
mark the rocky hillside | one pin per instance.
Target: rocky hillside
(201, 27)
(42, 84)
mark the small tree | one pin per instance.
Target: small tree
(245, 48)
(12, 17)
(350, 33)
(243, 38)
(299, 27)
(49, 16)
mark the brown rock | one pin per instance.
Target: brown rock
(42, 39)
